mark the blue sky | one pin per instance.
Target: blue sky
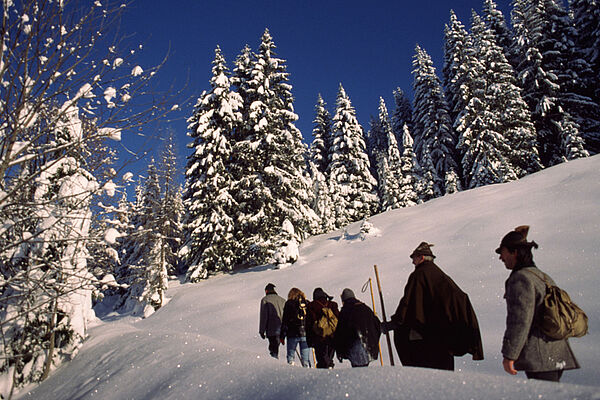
(365, 45)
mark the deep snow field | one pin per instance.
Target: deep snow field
(204, 343)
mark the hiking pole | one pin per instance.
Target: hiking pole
(364, 289)
(387, 334)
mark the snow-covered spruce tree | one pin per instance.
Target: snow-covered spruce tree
(544, 73)
(146, 265)
(319, 148)
(484, 150)
(271, 184)
(58, 62)
(322, 202)
(211, 210)
(435, 141)
(410, 186)
(495, 20)
(171, 211)
(457, 50)
(586, 20)
(402, 115)
(506, 110)
(351, 184)
(388, 164)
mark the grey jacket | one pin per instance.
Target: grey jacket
(523, 341)
(271, 311)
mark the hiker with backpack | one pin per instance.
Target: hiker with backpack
(271, 312)
(293, 326)
(357, 333)
(322, 320)
(525, 346)
(434, 321)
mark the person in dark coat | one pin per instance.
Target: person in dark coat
(271, 312)
(324, 348)
(293, 326)
(435, 320)
(357, 334)
(524, 346)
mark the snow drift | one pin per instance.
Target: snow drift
(204, 343)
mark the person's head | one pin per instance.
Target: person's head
(270, 288)
(296, 294)
(319, 294)
(347, 294)
(422, 253)
(514, 248)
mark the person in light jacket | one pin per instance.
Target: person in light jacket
(524, 346)
(271, 312)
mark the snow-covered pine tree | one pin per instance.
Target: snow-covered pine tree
(586, 20)
(211, 210)
(271, 183)
(485, 150)
(435, 140)
(505, 109)
(540, 30)
(402, 115)
(410, 187)
(351, 184)
(322, 203)
(495, 20)
(171, 211)
(388, 163)
(457, 50)
(319, 149)
(146, 269)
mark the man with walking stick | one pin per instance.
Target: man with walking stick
(434, 321)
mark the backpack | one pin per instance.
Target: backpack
(325, 326)
(561, 318)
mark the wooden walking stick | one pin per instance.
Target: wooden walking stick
(364, 288)
(387, 334)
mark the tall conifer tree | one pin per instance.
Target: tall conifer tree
(210, 222)
(351, 184)
(435, 140)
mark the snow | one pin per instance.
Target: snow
(137, 70)
(204, 343)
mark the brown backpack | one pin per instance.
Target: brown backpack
(561, 318)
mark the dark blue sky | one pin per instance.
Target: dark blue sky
(366, 45)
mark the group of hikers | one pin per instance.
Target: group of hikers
(433, 323)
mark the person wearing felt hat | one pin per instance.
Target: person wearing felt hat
(524, 346)
(271, 312)
(434, 321)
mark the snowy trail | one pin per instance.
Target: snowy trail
(204, 343)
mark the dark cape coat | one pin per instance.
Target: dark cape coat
(435, 309)
(357, 322)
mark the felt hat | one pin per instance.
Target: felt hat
(423, 249)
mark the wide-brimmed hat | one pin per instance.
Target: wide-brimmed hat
(516, 238)
(423, 249)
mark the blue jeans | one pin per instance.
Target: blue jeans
(292, 342)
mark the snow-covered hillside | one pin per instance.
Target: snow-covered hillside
(204, 343)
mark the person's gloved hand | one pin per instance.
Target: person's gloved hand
(385, 327)
(262, 335)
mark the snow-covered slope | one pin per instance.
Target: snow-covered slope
(204, 343)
